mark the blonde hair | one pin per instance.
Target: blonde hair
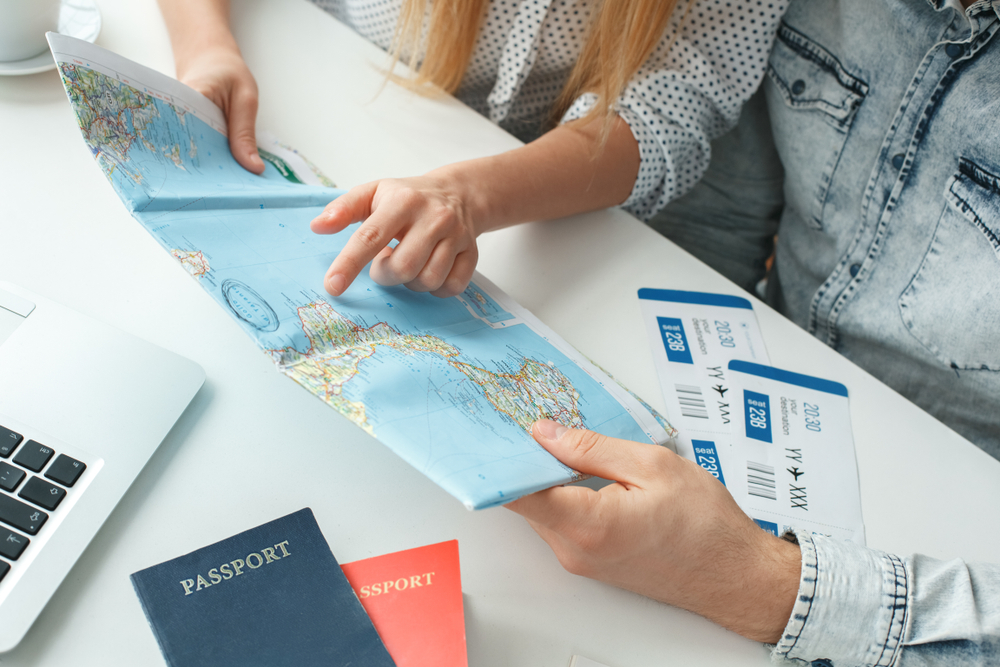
(621, 36)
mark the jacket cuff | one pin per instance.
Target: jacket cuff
(852, 607)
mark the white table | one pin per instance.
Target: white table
(255, 446)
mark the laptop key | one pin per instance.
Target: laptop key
(40, 492)
(64, 470)
(4, 569)
(33, 456)
(8, 441)
(21, 515)
(12, 544)
(10, 476)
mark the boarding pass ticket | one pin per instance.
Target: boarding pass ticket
(791, 436)
(694, 336)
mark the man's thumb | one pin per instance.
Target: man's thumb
(590, 452)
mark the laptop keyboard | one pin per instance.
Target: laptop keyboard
(26, 498)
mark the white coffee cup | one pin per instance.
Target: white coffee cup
(23, 24)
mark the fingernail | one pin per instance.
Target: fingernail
(549, 429)
(336, 284)
(320, 219)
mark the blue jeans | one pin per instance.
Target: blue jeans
(872, 150)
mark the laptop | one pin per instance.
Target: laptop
(83, 406)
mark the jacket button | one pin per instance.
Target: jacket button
(798, 87)
(954, 50)
(897, 160)
(854, 269)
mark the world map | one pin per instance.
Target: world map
(451, 385)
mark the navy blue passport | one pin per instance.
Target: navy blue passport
(272, 595)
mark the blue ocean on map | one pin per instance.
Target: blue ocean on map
(451, 385)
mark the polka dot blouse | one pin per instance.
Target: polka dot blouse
(688, 92)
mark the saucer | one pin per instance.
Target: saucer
(77, 18)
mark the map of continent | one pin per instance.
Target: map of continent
(452, 385)
(111, 116)
(338, 346)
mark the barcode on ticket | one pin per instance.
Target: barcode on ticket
(760, 480)
(691, 400)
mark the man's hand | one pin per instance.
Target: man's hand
(221, 75)
(667, 530)
(429, 217)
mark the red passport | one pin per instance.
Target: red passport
(414, 599)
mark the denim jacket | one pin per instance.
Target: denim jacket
(873, 151)
(889, 244)
(860, 607)
(884, 171)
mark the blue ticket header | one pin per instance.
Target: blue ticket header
(674, 340)
(703, 298)
(757, 409)
(788, 377)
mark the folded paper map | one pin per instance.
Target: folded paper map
(451, 385)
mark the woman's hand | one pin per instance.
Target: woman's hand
(667, 530)
(431, 216)
(209, 61)
(437, 217)
(221, 75)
